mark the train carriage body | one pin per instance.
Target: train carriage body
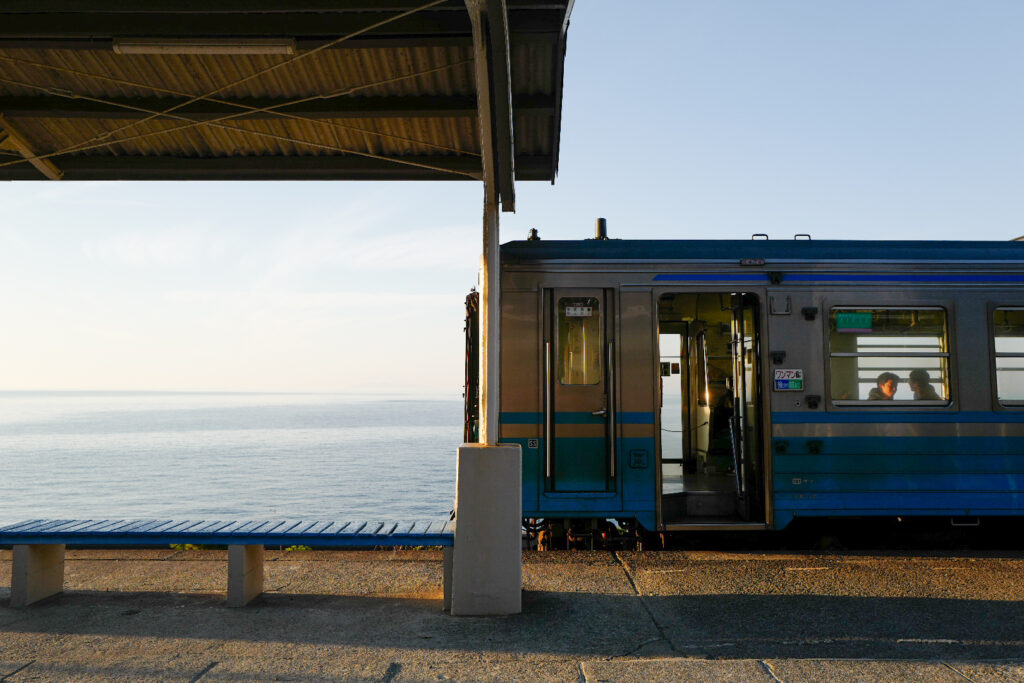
(739, 384)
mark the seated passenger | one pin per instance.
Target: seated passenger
(886, 389)
(920, 384)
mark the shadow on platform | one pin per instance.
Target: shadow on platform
(564, 623)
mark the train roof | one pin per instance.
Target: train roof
(769, 250)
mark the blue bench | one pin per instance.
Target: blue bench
(37, 570)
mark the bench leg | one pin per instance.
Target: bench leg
(446, 563)
(37, 572)
(245, 574)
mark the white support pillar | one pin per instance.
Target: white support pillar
(245, 574)
(37, 572)
(486, 562)
(490, 270)
(490, 322)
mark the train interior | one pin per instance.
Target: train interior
(712, 463)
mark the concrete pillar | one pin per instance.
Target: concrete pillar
(245, 574)
(487, 569)
(37, 572)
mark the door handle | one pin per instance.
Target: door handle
(549, 412)
(602, 413)
(612, 418)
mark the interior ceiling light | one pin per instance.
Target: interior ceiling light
(204, 46)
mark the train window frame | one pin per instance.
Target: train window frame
(948, 355)
(995, 355)
(561, 310)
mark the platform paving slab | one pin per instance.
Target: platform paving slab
(797, 671)
(991, 672)
(376, 616)
(728, 605)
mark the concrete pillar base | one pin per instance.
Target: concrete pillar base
(37, 572)
(487, 563)
(245, 574)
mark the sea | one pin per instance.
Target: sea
(127, 455)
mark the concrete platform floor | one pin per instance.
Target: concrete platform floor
(588, 616)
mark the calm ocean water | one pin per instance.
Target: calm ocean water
(185, 455)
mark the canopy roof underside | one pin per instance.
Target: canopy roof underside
(364, 90)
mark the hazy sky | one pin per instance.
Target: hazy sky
(893, 119)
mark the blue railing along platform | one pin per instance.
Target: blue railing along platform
(37, 570)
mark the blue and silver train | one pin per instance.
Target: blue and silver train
(681, 385)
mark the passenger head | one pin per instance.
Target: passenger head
(887, 383)
(919, 378)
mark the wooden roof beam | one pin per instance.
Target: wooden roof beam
(251, 6)
(98, 27)
(61, 107)
(501, 102)
(269, 167)
(15, 140)
(272, 167)
(559, 62)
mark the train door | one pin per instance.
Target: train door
(712, 459)
(580, 411)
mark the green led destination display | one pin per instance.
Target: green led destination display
(853, 321)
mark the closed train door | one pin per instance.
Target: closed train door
(580, 410)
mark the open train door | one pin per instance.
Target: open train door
(711, 445)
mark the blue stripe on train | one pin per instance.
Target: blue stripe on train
(636, 417)
(890, 463)
(898, 482)
(839, 277)
(932, 447)
(867, 502)
(899, 475)
(875, 416)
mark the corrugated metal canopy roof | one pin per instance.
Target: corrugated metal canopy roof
(375, 89)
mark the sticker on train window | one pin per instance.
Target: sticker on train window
(579, 311)
(789, 379)
(853, 321)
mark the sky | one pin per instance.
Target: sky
(886, 119)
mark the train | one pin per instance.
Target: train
(678, 385)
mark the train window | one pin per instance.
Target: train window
(1008, 333)
(579, 340)
(888, 355)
